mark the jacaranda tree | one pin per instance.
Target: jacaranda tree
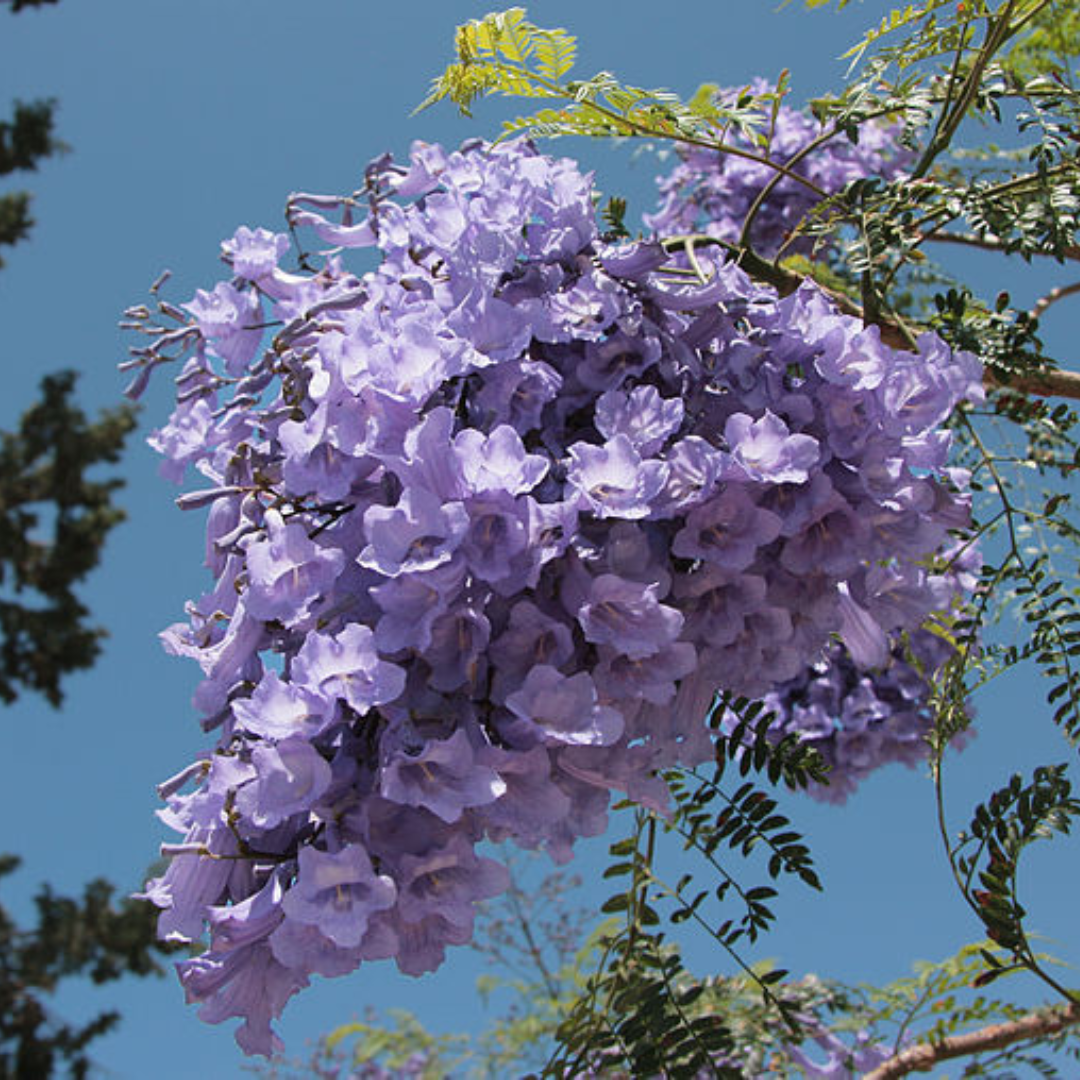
(523, 509)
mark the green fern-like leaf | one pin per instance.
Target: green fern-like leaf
(555, 52)
(501, 35)
(896, 20)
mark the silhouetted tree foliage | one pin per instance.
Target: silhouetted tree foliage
(55, 516)
(91, 936)
(25, 140)
(54, 520)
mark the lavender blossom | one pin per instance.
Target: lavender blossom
(338, 892)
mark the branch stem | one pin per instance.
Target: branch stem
(922, 1058)
(1050, 383)
(1052, 297)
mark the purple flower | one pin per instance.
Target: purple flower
(628, 617)
(835, 542)
(184, 440)
(498, 462)
(717, 602)
(347, 667)
(248, 983)
(228, 318)
(495, 520)
(427, 459)
(420, 533)
(254, 253)
(861, 633)
(530, 638)
(916, 396)
(445, 777)
(654, 678)
(855, 357)
(411, 603)
(192, 883)
(712, 192)
(552, 527)
(338, 892)
(290, 777)
(319, 452)
(843, 1062)
(288, 571)
(447, 883)
(764, 449)
(515, 393)
(565, 709)
(278, 710)
(421, 946)
(612, 479)
(530, 804)
(455, 653)
(693, 469)
(497, 535)
(642, 415)
(301, 947)
(608, 363)
(727, 530)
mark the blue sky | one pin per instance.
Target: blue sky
(187, 120)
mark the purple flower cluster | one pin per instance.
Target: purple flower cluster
(860, 719)
(489, 526)
(860, 714)
(711, 193)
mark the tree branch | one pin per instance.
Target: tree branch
(924, 1057)
(1043, 384)
(1049, 383)
(1070, 251)
(1052, 297)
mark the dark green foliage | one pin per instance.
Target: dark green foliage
(1002, 828)
(25, 139)
(91, 937)
(53, 523)
(633, 1016)
(636, 1016)
(753, 747)
(15, 219)
(613, 215)
(747, 818)
(1053, 615)
(54, 520)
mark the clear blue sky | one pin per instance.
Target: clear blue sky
(187, 120)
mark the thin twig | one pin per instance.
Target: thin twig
(952, 113)
(1052, 297)
(636, 127)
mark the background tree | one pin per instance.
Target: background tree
(56, 512)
